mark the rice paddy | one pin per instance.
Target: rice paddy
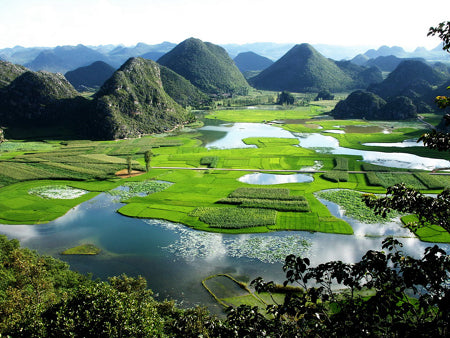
(211, 200)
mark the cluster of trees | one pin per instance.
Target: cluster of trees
(285, 98)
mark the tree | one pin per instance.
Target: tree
(324, 94)
(385, 294)
(443, 31)
(148, 157)
(129, 164)
(124, 307)
(285, 98)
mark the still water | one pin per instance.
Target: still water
(230, 135)
(174, 258)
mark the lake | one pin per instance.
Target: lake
(174, 258)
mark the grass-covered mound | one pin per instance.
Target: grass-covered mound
(83, 249)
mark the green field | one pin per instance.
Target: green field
(202, 199)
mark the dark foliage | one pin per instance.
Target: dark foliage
(443, 31)
(324, 94)
(385, 294)
(285, 98)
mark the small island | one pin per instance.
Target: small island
(83, 249)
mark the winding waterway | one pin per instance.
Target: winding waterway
(174, 258)
(230, 135)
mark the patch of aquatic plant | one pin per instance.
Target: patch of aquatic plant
(210, 161)
(336, 176)
(354, 206)
(269, 249)
(84, 249)
(300, 204)
(235, 218)
(132, 189)
(57, 192)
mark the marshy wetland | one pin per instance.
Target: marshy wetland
(293, 183)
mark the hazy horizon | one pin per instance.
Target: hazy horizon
(50, 23)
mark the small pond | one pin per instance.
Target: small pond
(268, 179)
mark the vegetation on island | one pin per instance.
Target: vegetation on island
(83, 249)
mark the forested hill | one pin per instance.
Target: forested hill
(303, 69)
(33, 98)
(207, 66)
(133, 102)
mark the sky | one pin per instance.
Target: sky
(49, 23)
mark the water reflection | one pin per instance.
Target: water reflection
(174, 258)
(235, 132)
(392, 228)
(321, 143)
(269, 179)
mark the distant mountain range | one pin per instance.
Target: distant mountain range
(144, 97)
(66, 58)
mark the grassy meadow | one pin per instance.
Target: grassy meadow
(209, 199)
